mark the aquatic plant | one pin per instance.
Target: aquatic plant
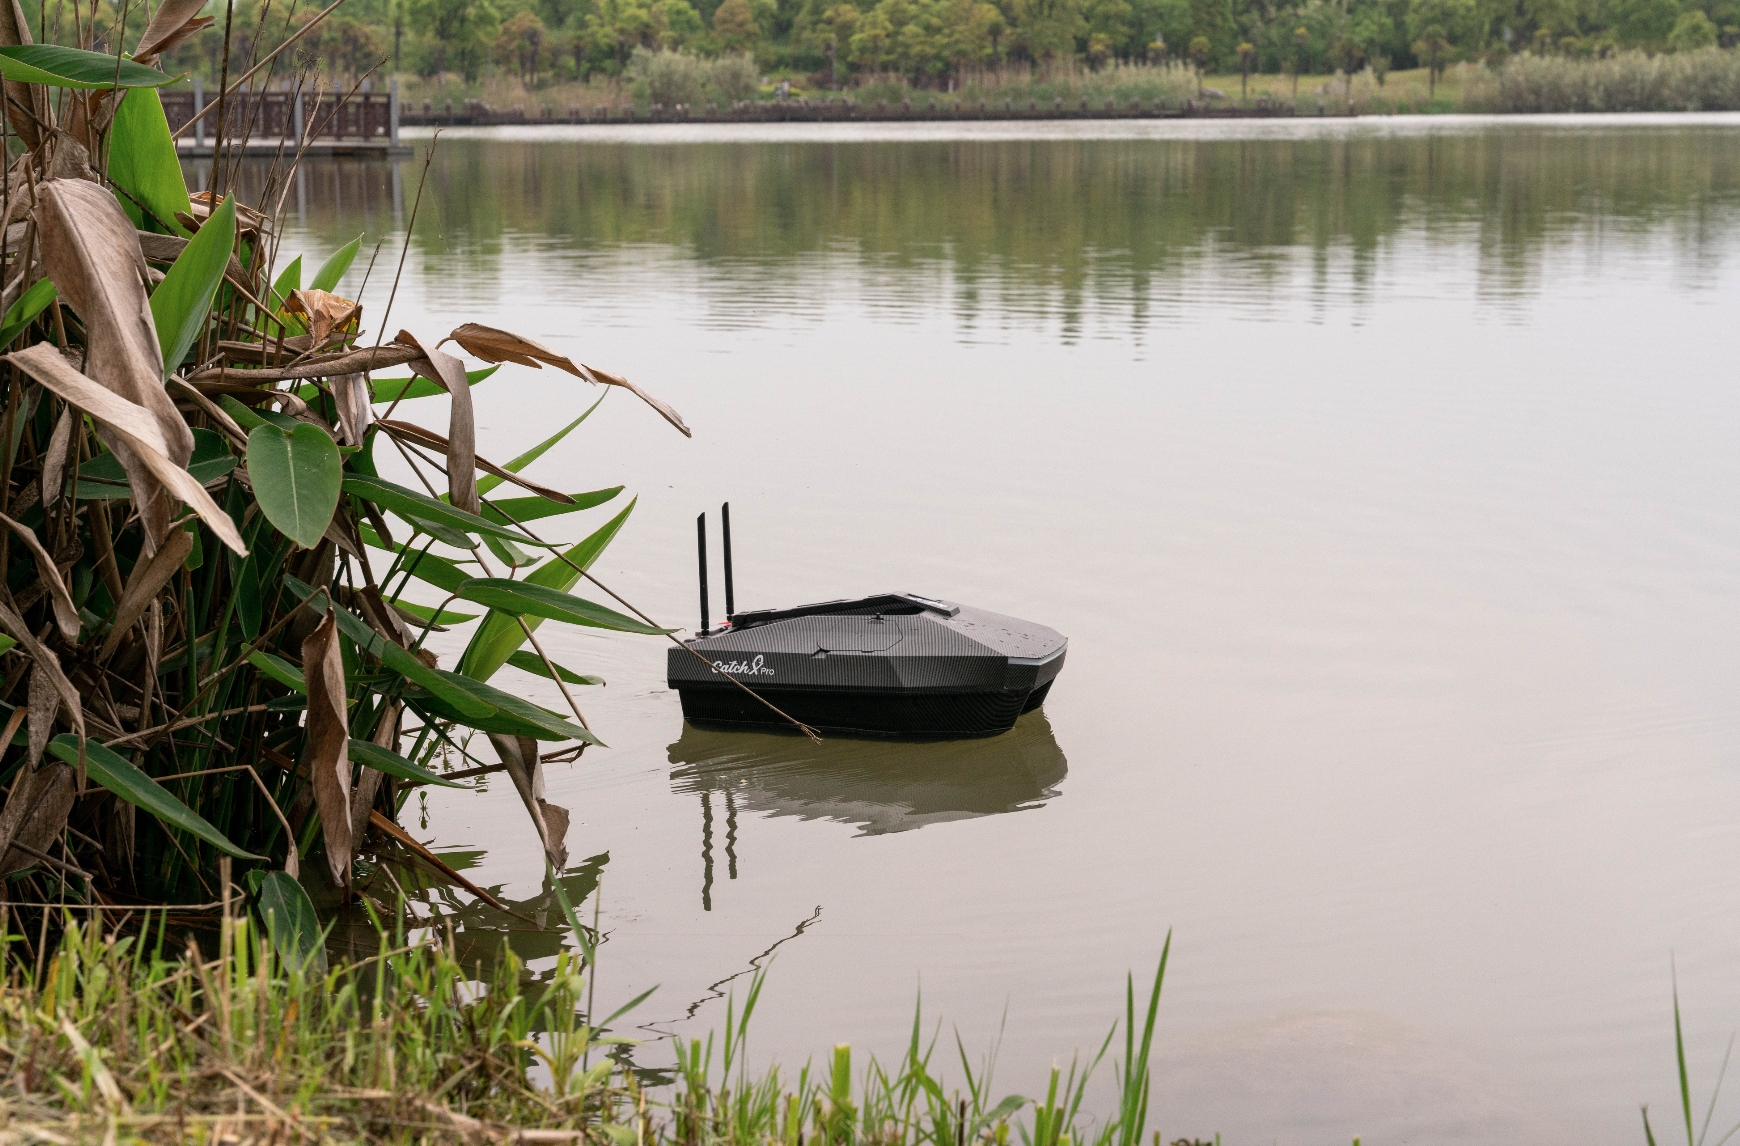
(1704, 80)
(210, 523)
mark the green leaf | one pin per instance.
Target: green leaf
(445, 534)
(404, 389)
(23, 312)
(522, 599)
(513, 716)
(288, 280)
(490, 481)
(534, 664)
(296, 479)
(411, 504)
(144, 163)
(122, 777)
(396, 657)
(424, 611)
(499, 634)
(103, 477)
(182, 301)
(437, 571)
(384, 760)
(507, 510)
(326, 278)
(58, 67)
(290, 920)
(279, 670)
(250, 419)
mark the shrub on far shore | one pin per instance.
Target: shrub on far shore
(1707, 79)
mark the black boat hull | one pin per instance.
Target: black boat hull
(889, 665)
(873, 713)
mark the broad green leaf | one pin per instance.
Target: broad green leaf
(405, 389)
(396, 657)
(289, 279)
(250, 419)
(279, 670)
(58, 67)
(513, 716)
(409, 503)
(490, 481)
(385, 760)
(510, 554)
(521, 599)
(23, 312)
(296, 479)
(122, 777)
(437, 571)
(499, 634)
(290, 920)
(445, 534)
(445, 617)
(507, 510)
(102, 477)
(326, 278)
(182, 301)
(143, 162)
(534, 664)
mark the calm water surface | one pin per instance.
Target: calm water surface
(1382, 475)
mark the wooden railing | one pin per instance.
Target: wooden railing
(264, 117)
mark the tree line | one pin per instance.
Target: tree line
(934, 43)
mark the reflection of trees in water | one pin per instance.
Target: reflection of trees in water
(1045, 223)
(881, 786)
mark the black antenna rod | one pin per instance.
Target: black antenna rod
(701, 547)
(730, 599)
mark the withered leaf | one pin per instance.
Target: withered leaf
(173, 22)
(326, 749)
(66, 614)
(519, 754)
(46, 662)
(91, 253)
(448, 372)
(319, 366)
(414, 433)
(131, 428)
(15, 32)
(325, 312)
(493, 345)
(147, 578)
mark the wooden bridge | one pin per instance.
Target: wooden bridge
(366, 123)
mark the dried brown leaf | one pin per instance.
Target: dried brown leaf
(664, 410)
(413, 433)
(148, 576)
(91, 252)
(26, 104)
(350, 393)
(449, 373)
(493, 345)
(66, 614)
(167, 248)
(326, 748)
(47, 663)
(519, 754)
(35, 813)
(44, 708)
(130, 427)
(325, 312)
(386, 735)
(173, 22)
(54, 461)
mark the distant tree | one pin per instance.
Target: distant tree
(1301, 44)
(1693, 30)
(735, 27)
(1047, 29)
(676, 24)
(1645, 23)
(1247, 52)
(521, 37)
(1201, 51)
(459, 26)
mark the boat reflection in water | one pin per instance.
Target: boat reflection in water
(880, 786)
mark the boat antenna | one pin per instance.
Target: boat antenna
(701, 549)
(730, 599)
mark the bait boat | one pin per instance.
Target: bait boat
(889, 664)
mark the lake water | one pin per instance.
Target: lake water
(1382, 474)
